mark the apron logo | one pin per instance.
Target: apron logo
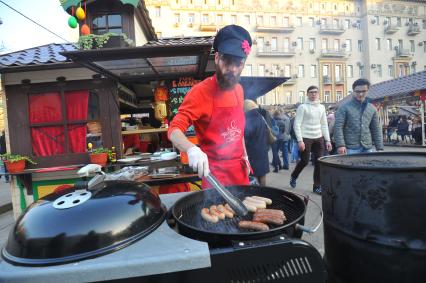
(232, 133)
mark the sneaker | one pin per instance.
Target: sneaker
(293, 182)
(317, 190)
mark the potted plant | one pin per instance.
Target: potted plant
(106, 40)
(98, 155)
(15, 163)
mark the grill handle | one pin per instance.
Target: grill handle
(304, 228)
(233, 201)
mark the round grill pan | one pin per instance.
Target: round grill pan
(187, 214)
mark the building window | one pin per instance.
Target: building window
(313, 71)
(389, 44)
(325, 70)
(274, 21)
(286, 44)
(398, 21)
(390, 71)
(335, 23)
(107, 23)
(350, 71)
(287, 70)
(276, 70)
(337, 45)
(300, 43)
(274, 44)
(261, 70)
(412, 46)
(424, 24)
(286, 22)
(323, 22)
(248, 69)
(312, 22)
(259, 20)
(361, 71)
(301, 71)
(413, 68)
(338, 95)
(247, 19)
(219, 19)
(376, 20)
(327, 95)
(347, 24)
(234, 19)
(400, 44)
(377, 43)
(177, 18)
(260, 44)
(301, 96)
(298, 21)
(288, 97)
(379, 70)
(338, 72)
(388, 21)
(360, 46)
(312, 44)
(348, 45)
(205, 19)
(157, 11)
(191, 18)
(324, 44)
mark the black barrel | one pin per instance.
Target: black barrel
(375, 217)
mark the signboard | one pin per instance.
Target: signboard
(177, 91)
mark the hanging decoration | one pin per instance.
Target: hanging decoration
(85, 30)
(80, 13)
(72, 22)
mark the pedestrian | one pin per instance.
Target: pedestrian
(402, 128)
(281, 144)
(294, 146)
(215, 107)
(3, 151)
(255, 137)
(311, 129)
(357, 126)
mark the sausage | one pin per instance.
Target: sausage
(250, 206)
(253, 225)
(218, 213)
(256, 203)
(271, 211)
(227, 212)
(205, 214)
(268, 219)
(227, 206)
(267, 200)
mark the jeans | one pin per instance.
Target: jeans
(359, 150)
(316, 146)
(280, 145)
(295, 151)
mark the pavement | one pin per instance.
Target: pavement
(276, 180)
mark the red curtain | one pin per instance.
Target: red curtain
(46, 108)
(77, 104)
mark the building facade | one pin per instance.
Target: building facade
(324, 43)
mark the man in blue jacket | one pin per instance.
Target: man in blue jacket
(357, 125)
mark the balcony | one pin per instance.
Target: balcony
(332, 29)
(209, 27)
(339, 81)
(413, 30)
(403, 53)
(267, 51)
(391, 29)
(333, 53)
(326, 80)
(280, 29)
(291, 81)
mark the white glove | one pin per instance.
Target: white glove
(198, 161)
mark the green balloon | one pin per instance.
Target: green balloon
(72, 22)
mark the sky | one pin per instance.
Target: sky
(18, 33)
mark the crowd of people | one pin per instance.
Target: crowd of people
(403, 129)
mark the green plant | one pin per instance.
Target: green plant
(101, 150)
(16, 157)
(97, 41)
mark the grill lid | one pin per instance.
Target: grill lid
(76, 224)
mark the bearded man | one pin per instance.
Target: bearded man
(215, 107)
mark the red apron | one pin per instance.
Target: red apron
(222, 141)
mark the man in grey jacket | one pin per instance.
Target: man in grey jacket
(357, 123)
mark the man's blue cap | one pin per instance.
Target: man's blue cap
(233, 40)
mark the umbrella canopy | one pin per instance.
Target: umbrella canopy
(255, 87)
(70, 3)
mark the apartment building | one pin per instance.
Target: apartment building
(324, 43)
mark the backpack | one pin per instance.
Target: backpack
(275, 129)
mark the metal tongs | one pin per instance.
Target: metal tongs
(235, 203)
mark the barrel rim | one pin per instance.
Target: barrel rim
(324, 161)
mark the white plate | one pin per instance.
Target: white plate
(168, 156)
(129, 159)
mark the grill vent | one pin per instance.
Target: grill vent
(294, 267)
